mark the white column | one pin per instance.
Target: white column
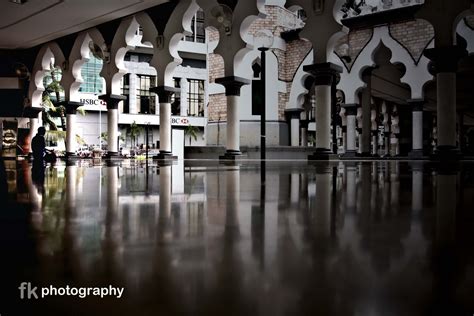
(295, 131)
(165, 127)
(233, 124)
(417, 130)
(351, 133)
(304, 135)
(34, 124)
(323, 117)
(71, 144)
(112, 130)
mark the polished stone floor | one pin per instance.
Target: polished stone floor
(202, 238)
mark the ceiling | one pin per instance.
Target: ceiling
(36, 22)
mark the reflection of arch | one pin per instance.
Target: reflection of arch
(47, 53)
(416, 74)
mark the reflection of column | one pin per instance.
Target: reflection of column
(294, 187)
(232, 91)
(446, 192)
(351, 185)
(417, 188)
(112, 101)
(366, 113)
(71, 142)
(71, 189)
(322, 211)
(446, 63)
(164, 95)
(417, 128)
(233, 202)
(325, 74)
(351, 111)
(294, 116)
(165, 191)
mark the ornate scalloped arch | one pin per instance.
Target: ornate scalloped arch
(298, 90)
(48, 52)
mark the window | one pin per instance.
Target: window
(145, 100)
(197, 26)
(126, 93)
(90, 73)
(176, 99)
(196, 97)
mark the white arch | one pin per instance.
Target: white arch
(298, 90)
(468, 34)
(416, 75)
(48, 52)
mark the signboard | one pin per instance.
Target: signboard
(93, 102)
(179, 121)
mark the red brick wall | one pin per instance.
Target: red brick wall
(413, 35)
(217, 110)
(356, 40)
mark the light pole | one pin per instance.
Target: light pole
(264, 40)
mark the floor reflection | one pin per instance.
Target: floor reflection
(353, 238)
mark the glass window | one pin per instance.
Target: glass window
(91, 75)
(145, 99)
(196, 97)
(197, 26)
(176, 99)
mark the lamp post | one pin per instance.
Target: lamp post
(264, 40)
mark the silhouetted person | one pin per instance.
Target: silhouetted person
(38, 145)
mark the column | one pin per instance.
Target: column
(164, 95)
(112, 101)
(304, 133)
(71, 142)
(417, 128)
(351, 111)
(366, 105)
(374, 131)
(294, 117)
(232, 85)
(33, 114)
(325, 74)
(446, 63)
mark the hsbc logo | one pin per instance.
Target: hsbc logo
(179, 121)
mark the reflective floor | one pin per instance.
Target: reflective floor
(367, 238)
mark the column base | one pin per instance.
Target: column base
(113, 155)
(232, 155)
(323, 154)
(416, 154)
(349, 154)
(450, 153)
(165, 155)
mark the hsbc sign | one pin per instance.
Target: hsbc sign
(179, 121)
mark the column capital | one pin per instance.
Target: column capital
(293, 113)
(164, 93)
(32, 111)
(112, 100)
(416, 104)
(445, 58)
(232, 84)
(324, 73)
(351, 108)
(71, 106)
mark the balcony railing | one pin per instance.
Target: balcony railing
(354, 8)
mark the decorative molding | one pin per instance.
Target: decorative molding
(32, 15)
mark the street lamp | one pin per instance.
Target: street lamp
(263, 39)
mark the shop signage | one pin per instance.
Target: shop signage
(93, 102)
(179, 121)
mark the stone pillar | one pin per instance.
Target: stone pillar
(417, 128)
(304, 133)
(33, 114)
(184, 105)
(351, 111)
(71, 142)
(325, 74)
(374, 131)
(232, 87)
(446, 63)
(294, 117)
(164, 95)
(112, 101)
(387, 141)
(366, 104)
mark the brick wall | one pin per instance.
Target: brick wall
(356, 41)
(217, 110)
(413, 35)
